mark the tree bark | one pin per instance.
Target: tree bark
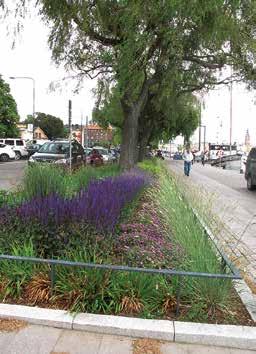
(130, 127)
(143, 143)
(129, 138)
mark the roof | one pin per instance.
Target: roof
(97, 127)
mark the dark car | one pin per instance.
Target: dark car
(95, 158)
(58, 152)
(177, 156)
(33, 148)
(250, 170)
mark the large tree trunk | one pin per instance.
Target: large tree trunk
(143, 143)
(129, 138)
(132, 113)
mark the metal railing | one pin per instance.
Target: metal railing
(52, 263)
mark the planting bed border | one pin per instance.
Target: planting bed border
(240, 337)
(242, 289)
(166, 272)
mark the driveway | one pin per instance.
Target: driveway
(11, 174)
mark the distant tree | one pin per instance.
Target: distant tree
(52, 126)
(8, 112)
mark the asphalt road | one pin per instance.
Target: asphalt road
(11, 174)
(217, 179)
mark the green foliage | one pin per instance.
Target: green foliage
(197, 252)
(44, 179)
(15, 274)
(8, 112)
(52, 126)
(151, 166)
(175, 46)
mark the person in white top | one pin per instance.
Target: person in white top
(187, 157)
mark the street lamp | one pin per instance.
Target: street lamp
(203, 126)
(34, 92)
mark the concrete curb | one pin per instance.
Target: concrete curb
(37, 315)
(239, 337)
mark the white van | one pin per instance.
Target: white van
(18, 145)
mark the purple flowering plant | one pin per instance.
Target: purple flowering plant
(99, 205)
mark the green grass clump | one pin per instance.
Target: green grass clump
(81, 178)
(197, 251)
(15, 274)
(44, 179)
(152, 166)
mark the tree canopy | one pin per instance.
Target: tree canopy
(8, 112)
(134, 45)
(52, 126)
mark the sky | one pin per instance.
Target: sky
(32, 57)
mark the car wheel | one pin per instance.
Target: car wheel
(4, 158)
(17, 155)
(250, 186)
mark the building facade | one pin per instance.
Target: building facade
(26, 132)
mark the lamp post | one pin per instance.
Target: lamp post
(230, 113)
(34, 92)
(204, 126)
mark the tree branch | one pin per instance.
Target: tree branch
(203, 63)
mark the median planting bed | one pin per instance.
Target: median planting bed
(137, 219)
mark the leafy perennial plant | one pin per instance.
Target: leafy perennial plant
(99, 205)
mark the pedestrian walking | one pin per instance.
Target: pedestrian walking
(188, 158)
(203, 158)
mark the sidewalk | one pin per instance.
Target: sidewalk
(33, 339)
(236, 209)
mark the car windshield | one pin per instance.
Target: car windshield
(34, 146)
(54, 148)
(102, 151)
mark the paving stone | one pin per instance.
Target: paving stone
(33, 340)
(76, 342)
(115, 345)
(5, 339)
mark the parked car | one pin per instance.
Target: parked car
(115, 154)
(159, 154)
(34, 145)
(87, 151)
(250, 170)
(95, 158)
(6, 153)
(32, 148)
(107, 157)
(177, 156)
(58, 152)
(19, 147)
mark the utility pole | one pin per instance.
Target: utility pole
(231, 113)
(200, 121)
(86, 137)
(81, 131)
(34, 96)
(70, 133)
